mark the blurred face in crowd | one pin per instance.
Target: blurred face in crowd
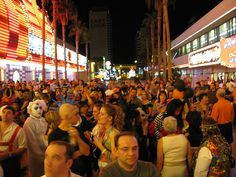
(162, 98)
(75, 117)
(133, 93)
(127, 152)
(55, 162)
(144, 95)
(7, 115)
(104, 118)
(205, 100)
(96, 112)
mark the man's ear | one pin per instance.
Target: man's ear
(69, 163)
(115, 151)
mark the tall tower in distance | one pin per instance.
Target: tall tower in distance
(100, 28)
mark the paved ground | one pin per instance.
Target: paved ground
(233, 170)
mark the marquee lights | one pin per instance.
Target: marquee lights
(20, 33)
(205, 56)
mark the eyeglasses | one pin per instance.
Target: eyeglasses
(37, 107)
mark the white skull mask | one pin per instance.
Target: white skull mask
(37, 110)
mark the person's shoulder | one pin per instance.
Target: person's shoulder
(110, 170)
(148, 168)
(74, 175)
(145, 165)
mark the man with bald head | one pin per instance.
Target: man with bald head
(223, 113)
(66, 131)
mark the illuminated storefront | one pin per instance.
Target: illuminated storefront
(207, 50)
(21, 44)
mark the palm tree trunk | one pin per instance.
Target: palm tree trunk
(77, 51)
(43, 40)
(147, 57)
(152, 26)
(164, 50)
(54, 2)
(86, 54)
(168, 39)
(159, 15)
(64, 47)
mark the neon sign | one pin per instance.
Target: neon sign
(205, 56)
(228, 53)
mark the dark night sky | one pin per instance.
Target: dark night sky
(127, 16)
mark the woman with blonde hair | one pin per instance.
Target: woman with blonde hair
(174, 153)
(53, 119)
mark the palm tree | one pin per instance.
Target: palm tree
(145, 23)
(149, 22)
(43, 39)
(55, 9)
(85, 37)
(76, 29)
(63, 15)
(161, 7)
(166, 17)
(158, 5)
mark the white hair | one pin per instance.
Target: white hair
(170, 124)
(40, 102)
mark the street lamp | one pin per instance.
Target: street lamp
(135, 61)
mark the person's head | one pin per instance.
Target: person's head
(209, 127)
(174, 107)
(213, 86)
(69, 113)
(58, 158)
(107, 114)
(162, 97)
(53, 119)
(170, 125)
(127, 150)
(119, 118)
(220, 93)
(144, 95)
(83, 108)
(133, 92)
(7, 113)
(96, 111)
(194, 120)
(203, 98)
(36, 108)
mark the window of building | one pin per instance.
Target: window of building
(188, 47)
(195, 44)
(223, 30)
(203, 40)
(232, 26)
(212, 36)
(183, 51)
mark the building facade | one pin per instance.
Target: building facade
(100, 28)
(21, 44)
(207, 50)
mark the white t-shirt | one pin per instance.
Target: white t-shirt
(203, 162)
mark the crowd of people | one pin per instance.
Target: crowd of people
(128, 128)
